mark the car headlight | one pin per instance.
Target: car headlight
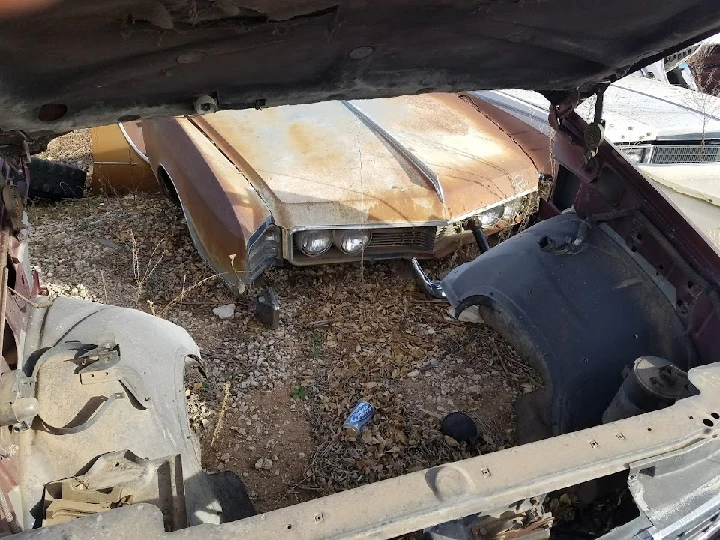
(512, 209)
(313, 243)
(490, 217)
(351, 242)
(635, 155)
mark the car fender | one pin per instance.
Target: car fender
(223, 210)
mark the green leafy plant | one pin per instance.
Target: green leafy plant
(298, 391)
(316, 345)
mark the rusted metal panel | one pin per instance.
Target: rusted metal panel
(118, 168)
(397, 506)
(223, 206)
(321, 165)
(536, 144)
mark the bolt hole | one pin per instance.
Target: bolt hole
(50, 112)
(318, 518)
(638, 236)
(649, 429)
(633, 249)
(289, 526)
(690, 418)
(715, 415)
(690, 284)
(661, 267)
(679, 303)
(708, 422)
(117, 464)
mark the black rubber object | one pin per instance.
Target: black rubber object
(460, 427)
(54, 181)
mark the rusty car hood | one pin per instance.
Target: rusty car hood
(96, 62)
(412, 159)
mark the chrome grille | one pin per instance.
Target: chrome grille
(447, 230)
(698, 153)
(263, 253)
(422, 238)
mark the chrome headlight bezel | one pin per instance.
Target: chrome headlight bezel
(635, 153)
(342, 237)
(489, 217)
(301, 240)
(513, 208)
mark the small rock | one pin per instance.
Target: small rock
(414, 373)
(205, 422)
(225, 312)
(264, 463)
(225, 457)
(451, 442)
(301, 455)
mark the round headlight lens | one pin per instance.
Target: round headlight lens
(313, 243)
(488, 218)
(351, 242)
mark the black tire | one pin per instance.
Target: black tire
(54, 181)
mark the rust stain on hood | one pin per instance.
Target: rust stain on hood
(322, 165)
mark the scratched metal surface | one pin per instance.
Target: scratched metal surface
(322, 164)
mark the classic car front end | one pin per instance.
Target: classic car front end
(340, 181)
(433, 239)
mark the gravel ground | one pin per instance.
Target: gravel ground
(270, 404)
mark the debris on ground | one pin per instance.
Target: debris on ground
(225, 312)
(269, 404)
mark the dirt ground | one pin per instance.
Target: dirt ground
(270, 404)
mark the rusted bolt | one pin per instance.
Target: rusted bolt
(318, 518)
(594, 444)
(620, 436)
(485, 472)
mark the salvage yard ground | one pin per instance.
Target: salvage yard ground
(269, 404)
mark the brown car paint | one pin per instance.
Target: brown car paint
(222, 208)
(311, 175)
